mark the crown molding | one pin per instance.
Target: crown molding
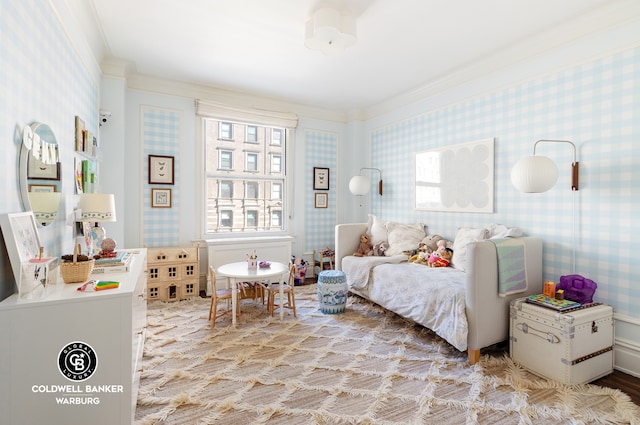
(136, 81)
(609, 17)
(76, 34)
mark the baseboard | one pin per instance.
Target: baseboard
(627, 345)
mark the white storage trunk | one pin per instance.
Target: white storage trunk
(574, 347)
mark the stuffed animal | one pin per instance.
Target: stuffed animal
(365, 246)
(379, 249)
(418, 255)
(433, 257)
(431, 243)
(442, 260)
(441, 246)
(419, 258)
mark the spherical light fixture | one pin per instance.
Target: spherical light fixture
(534, 174)
(359, 185)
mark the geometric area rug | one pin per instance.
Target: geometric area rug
(365, 366)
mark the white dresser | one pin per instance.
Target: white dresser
(94, 338)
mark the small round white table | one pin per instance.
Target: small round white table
(239, 272)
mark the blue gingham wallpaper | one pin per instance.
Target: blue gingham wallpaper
(41, 79)
(597, 106)
(161, 136)
(320, 222)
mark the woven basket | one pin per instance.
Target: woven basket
(74, 272)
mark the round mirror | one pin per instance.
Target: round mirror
(40, 178)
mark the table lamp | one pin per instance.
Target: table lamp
(96, 208)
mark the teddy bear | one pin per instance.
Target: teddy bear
(441, 260)
(379, 249)
(365, 246)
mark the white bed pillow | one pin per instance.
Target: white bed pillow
(464, 236)
(377, 230)
(403, 237)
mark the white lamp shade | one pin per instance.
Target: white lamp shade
(534, 174)
(359, 185)
(98, 207)
(45, 205)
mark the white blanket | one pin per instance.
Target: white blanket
(357, 269)
(434, 297)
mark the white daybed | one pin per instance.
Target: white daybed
(463, 307)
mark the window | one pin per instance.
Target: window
(276, 191)
(276, 218)
(276, 137)
(225, 131)
(226, 160)
(252, 134)
(252, 190)
(252, 162)
(252, 218)
(276, 164)
(226, 218)
(226, 189)
(247, 196)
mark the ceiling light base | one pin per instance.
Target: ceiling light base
(330, 31)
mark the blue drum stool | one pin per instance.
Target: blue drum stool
(332, 291)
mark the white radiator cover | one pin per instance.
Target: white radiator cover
(225, 251)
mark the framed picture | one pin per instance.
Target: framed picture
(161, 169)
(322, 200)
(441, 174)
(37, 169)
(320, 178)
(160, 198)
(22, 241)
(42, 188)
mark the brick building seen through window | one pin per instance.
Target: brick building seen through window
(245, 183)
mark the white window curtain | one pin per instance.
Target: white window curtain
(250, 115)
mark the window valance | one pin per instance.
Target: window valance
(244, 114)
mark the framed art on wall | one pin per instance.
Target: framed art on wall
(160, 198)
(161, 169)
(42, 188)
(320, 178)
(37, 169)
(455, 178)
(321, 200)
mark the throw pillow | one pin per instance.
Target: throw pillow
(498, 231)
(376, 230)
(463, 237)
(403, 237)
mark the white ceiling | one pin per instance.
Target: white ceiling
(257, 46)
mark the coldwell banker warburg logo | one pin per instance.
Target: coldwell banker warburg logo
(77, 361)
